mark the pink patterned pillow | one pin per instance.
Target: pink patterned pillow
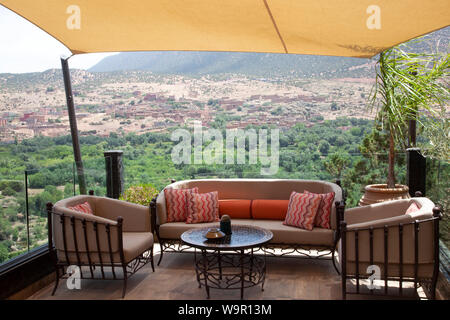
(302, 210)
(203, 207)
(413, 207)
(176, 203)
(83, 208)
(324, 212)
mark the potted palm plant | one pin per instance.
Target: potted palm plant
(408, 86)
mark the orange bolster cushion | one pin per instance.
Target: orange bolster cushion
(269, 209)
(235, 208)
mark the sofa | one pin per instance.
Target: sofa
(252, 190)
(116, 239)
(403, 246)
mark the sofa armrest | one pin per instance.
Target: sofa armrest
(136, 217)
(378, 211)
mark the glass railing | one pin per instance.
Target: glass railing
(23, 224)
(94, 176)
(13, 219)
(23, 199)
(438, 190)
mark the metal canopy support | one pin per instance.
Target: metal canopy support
(73, 125)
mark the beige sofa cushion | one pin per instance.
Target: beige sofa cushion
(253, 189)
(293, 235)
(173, 230)
(281, 233)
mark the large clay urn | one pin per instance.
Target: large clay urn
(375, 193)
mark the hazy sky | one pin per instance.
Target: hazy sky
(26, 48)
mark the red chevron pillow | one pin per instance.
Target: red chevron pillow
(302, 210)
(324, 212)
(83, 208)
(202, 207)
(413, 207)
(176, 203)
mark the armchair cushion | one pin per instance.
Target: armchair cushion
(136, 243)
(136, 217)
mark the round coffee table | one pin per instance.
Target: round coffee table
(215, 269)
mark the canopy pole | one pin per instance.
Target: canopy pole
(73, 125)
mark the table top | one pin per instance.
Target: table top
(242, 237)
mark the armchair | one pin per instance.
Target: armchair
(117, 238)
(403, 247)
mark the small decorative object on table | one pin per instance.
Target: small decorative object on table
(225, 224)
(214, 234)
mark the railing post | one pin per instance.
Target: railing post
(415, 171)
(343, 259)
(437, 216)
(153, 214)
(27, 212)
(49, 207)
(73, 125)
(114, 173)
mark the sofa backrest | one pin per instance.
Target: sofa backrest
(277, 189)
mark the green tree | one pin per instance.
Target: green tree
(324, 147)
(3, 253)
(405, 83)
(335, 163)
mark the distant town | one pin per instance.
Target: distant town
(142, 102)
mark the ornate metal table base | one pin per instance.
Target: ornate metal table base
(238, 267)
(217, 270)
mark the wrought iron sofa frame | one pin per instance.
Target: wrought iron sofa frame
(127, 269)
(417, 281)
(175, 245)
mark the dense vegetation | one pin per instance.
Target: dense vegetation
(349, 149)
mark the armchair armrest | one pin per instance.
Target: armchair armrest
(136, 217)
(392, 221)
(378, 211)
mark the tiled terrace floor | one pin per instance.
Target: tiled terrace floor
(174, 279)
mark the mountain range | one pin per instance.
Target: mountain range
(257, 64)
(199, 63)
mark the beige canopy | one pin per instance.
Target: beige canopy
(354, 28)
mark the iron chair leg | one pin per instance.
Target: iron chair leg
(56, 281)
(151, 259)
(161, 245)
(124, 281)
(333, 253)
